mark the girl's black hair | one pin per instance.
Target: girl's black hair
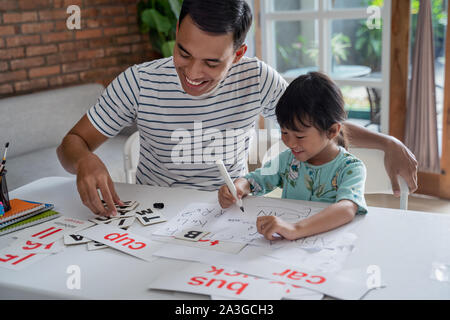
(220, 17)
(312, 100)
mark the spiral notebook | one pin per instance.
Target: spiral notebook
(20, 208)
(30, 221)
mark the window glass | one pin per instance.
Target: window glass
(351, 4)
(363, 105)
(293, 5)
(296, 45)
(356, 49)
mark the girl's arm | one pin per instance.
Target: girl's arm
(334, 216)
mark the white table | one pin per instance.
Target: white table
(402, 244)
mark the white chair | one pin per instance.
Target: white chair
(131, 157)
(377, 180)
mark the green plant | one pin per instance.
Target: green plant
(293, 54)
(339, 47)
(158, 19)
(368, 44)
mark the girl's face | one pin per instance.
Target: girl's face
(308, 144)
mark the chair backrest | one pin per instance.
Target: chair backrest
(131, 157)
(377, 180)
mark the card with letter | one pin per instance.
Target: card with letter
(122, 240)
(342, 285)
(213, 280)
(17, 259)
(53, 230)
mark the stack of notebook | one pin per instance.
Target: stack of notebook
(24, 214)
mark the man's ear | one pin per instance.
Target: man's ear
(334, 130)
(240, 53)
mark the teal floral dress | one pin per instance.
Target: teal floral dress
(340, 179)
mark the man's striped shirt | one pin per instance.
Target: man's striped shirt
(181, 136)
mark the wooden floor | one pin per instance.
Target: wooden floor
(415, 202)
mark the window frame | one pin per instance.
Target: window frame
(324, 16)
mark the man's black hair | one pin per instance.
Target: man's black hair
(219, 17)
(312, 100)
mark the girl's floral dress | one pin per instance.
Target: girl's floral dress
(340, 179)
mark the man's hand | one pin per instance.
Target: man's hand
(76, 156)
(399, 160)
(92, 175)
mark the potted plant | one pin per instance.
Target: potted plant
(158, 19)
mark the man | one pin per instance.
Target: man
(206, 89)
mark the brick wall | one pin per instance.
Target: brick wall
(38, 51)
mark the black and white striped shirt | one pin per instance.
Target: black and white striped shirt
(181, 135)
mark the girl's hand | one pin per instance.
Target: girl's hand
(269, 225)
(226, 198)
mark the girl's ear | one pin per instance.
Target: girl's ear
(334, 130)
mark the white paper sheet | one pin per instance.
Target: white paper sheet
(234, 226)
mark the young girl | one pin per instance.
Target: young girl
(316, 167)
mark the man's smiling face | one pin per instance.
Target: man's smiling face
(203, 59)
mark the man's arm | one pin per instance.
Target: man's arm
(76, 156)
(398, 159)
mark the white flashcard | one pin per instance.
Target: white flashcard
(148, 217)
(125, 214)
(212, 280)
(53, 230)
(94, 245)
(35, 247)
(191, 235)
(73, 239)
(17, 259)
(123, 223)
(334, 285)
(128, 205)
(209, 244)
(121, 240)
(101, 219)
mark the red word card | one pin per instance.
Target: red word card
(122, 240)
(212, 280)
